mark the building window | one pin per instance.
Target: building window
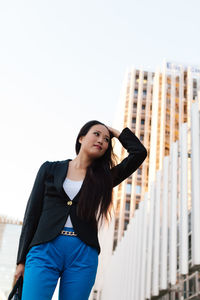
(114, 244)
(95, 293)
(144, 92)
(128, 188)
(116, 224)
(194, 94)
(143, 106)
(142, 121)
(138, 189)
(125, 224)
(189, 247)
(178, 258)
(136, 92)
(185, 290)
(141, 137)
(185, 108)
(190, 222)
(194, 83)
(139, 171)
(135, 105)
(127, 207)
(127, 214)
(192, 286)
(133, 120)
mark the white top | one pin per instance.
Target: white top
(71, 188)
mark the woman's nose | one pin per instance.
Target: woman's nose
(100, 141)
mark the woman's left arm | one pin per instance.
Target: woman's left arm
(137, 154)
(32, 213)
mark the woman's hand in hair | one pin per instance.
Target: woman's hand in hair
(114, 132)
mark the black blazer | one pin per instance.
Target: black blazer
(48, 206)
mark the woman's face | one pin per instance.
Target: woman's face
(96, 141)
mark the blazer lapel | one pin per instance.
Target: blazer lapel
(60, 174)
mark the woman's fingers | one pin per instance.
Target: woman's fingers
(19, 271)
(114, 132)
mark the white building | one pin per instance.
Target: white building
(159, 255)
(9, 237)
(157, 107)
(154, 106)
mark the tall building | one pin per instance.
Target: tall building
(155, 104)
(159, 254)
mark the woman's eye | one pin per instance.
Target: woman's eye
(96, 133)
(107, 140)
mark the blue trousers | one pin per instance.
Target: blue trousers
(65, 257)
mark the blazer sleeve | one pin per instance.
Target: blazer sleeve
(137, 154)
(32, 213)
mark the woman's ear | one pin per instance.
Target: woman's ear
(80, 139)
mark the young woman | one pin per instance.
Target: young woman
(59, 237)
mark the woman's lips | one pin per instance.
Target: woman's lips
(97, 146)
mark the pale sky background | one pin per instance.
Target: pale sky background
(62, 63)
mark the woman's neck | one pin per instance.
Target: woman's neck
(81, 162)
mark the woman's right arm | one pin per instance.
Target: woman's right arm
(32, 215)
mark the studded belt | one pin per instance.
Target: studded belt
(70, 233)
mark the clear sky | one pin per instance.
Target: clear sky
(62, 63)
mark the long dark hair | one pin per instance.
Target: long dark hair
(95, 200)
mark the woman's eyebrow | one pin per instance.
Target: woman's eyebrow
(101, 132)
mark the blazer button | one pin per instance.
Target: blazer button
(69, 202)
